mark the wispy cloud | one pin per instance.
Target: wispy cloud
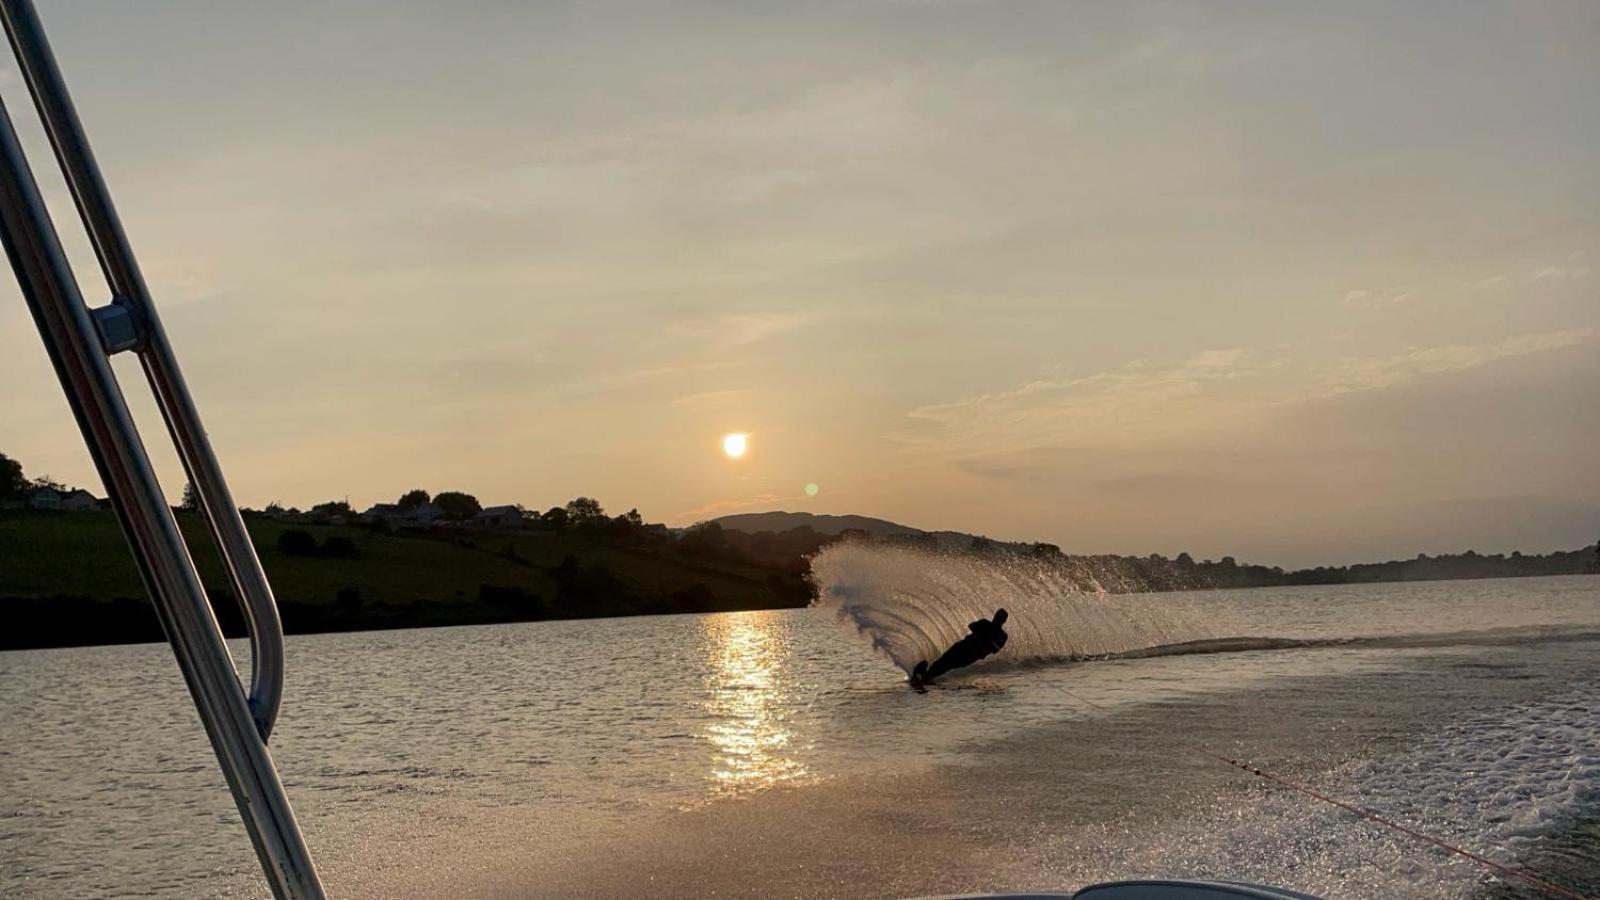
(726, 332)
(1217, 360)
(646, 375)
(1559, 273)
(1358, 374)
(724, 507)
(1133, 379)
(711, 398)
(1208, 392)
(1365, 299)
(1135, 398)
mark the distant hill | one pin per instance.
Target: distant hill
(1157, 573)
(778, 521)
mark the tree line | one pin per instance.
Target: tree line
(1156, 572)
(15, 485)
(788, 553)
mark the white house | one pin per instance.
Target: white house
(506, 516)
(424, 514)
(382, 512)
(44, 498)
(75, 500)
(79, 501)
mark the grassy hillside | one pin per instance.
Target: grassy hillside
(58, 566)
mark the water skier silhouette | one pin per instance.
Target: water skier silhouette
(985, 638)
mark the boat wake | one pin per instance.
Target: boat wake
(1494, 637)
(912, 603)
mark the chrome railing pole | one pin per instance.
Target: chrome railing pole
(149, 340)
(79, 344)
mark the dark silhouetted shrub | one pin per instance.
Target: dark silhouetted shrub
(297, 542)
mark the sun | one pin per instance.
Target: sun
(734, 445)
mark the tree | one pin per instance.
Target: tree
(704, 539)
(1185, 560)
(333, 508)
(457, 505)
(413, 498)
(44, 482)
(12, 483)
(626, 525)
(555, 517)
(585, 511)
(191, 498)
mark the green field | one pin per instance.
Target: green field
(446, 576)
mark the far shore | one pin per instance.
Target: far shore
(69, 580)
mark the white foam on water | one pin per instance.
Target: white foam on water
(1500, 780)
(1505, 784)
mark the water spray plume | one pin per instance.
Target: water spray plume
(914, 602)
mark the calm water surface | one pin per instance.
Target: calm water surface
(453, 752)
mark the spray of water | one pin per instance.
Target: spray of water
(913, 602)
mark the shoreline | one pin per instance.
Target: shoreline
(232, 622)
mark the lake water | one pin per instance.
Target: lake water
(777, 754)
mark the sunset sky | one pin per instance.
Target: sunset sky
(1297, 282)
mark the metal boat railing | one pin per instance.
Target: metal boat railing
(80, 342)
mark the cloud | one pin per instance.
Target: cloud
(1309, 476)
(700, 398)
(1101, 393)
(724, 507)
(1217, 359)
(645, 375)
(1212, 392)
(1415, 362)
(1559, 273)
(991, 435)
(1364, 299)
(727, 332)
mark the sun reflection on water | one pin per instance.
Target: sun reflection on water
(751, 737)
